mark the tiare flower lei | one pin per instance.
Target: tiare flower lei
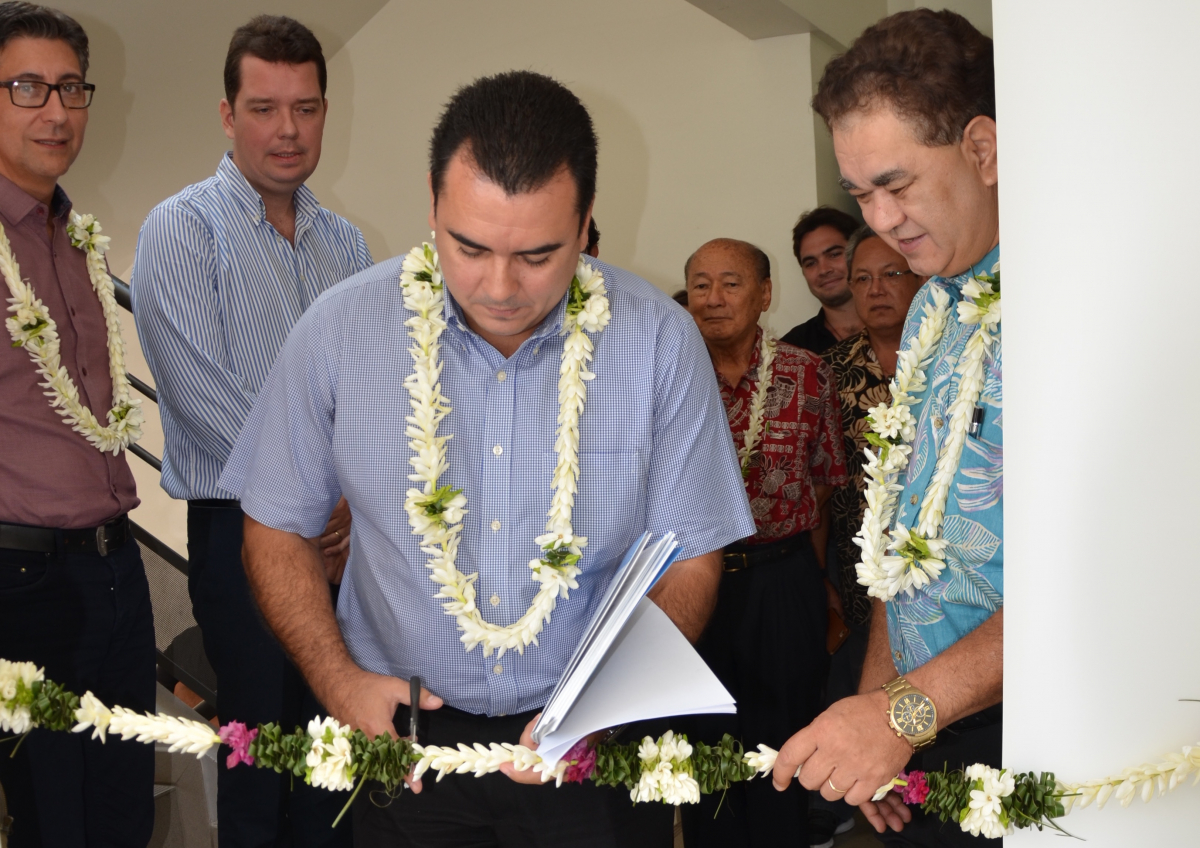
(982, 800)
(32, 328)
(766, 375)
(916, 557)
(436, 513)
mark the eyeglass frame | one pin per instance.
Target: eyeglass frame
(51, 87)
(887, 277)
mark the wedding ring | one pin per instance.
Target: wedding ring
(834, 788)
(338, 534)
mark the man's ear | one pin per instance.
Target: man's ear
(226, 113)
(432, 203)
(979, 146)
(766, 284)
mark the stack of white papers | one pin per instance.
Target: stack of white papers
(632, 663)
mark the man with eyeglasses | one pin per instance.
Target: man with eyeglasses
(766, 640)
(223, 270)
(73, 594)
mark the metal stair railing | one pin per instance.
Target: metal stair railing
(180, 650)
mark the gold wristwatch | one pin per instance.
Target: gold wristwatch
(911, 714)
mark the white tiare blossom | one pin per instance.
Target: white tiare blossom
(179, 734)
(16, 695)
(762, 760)
(92, 713)
(330, 759)
(666, 773)
(440, 535)
(985, 812)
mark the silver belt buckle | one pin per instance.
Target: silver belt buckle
(101, 542)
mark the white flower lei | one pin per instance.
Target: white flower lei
(754, 430)
(917, 554)
(32, 328)
(436, 514)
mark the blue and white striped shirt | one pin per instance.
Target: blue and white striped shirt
(655, 454)
(216, 289)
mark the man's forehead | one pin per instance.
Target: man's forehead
(26, 57)
(821, 240)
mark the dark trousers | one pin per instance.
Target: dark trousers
(256, 683)
(86, 619)
(472, 812)
(974, 739)
(766, 643)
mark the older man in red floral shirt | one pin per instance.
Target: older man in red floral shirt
(766, 639)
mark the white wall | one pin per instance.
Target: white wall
(1098, 163)
(703, 133)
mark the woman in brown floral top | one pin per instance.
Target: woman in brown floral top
(882, 286)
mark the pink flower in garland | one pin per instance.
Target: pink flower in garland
(917, 789)
(237, 737)
(582, 759)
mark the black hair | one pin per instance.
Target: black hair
(272, 38)
(520, 129)
(593, 236)
(822, 216)
(27, 20)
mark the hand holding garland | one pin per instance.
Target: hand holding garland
(983, 800)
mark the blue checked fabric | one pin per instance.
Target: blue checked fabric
(215, 292)
(655, 453)
(971, 587)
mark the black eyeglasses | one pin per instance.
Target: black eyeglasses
(31, 94)
(887, 277)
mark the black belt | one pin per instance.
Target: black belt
(215, 503)
(91, 540)
(741, 556)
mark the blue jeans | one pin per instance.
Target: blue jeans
(87, 620)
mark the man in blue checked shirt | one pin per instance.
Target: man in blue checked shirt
(512, 182)
(223, 271)
(916, 145)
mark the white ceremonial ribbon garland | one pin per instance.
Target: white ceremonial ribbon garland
(32, 328)
(436, 513)
(916, 555)
(766, 375)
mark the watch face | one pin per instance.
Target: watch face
(913, 714)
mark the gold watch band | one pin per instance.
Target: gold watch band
(897, 688)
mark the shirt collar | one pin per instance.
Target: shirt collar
(986, 265)
(752, 368)
(241, 190)
(16, 203)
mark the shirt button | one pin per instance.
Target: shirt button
(496, 524)
(495, 600)
(497, 669)
(913, 500)
(937, 422)
(899, 656)
(501, 376)
(497, 450)
(537, 350)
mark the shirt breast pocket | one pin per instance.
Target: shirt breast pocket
(610, 504)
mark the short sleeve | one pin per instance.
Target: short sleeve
(695, 486)
(282, 465)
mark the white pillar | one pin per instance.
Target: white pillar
(1100, 176)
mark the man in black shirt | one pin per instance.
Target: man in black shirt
(819, 242)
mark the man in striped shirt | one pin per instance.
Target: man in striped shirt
(223, 271)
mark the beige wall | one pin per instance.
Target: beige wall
(703, 132)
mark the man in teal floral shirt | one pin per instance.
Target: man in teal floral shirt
(911, 107)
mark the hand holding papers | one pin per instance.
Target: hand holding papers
(632, 663)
